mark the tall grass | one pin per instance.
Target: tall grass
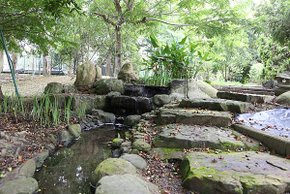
(46, 110)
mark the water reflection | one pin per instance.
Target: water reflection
(69, 170)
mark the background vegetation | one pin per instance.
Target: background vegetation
(215, 40)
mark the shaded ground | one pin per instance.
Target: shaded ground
(21, 141)
(30, 85)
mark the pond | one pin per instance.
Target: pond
(275, 122)
(68, 171)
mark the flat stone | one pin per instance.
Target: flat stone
(125, 184)
(238, 172)
(185, 136)
(193, 117)
(18, 186)
(113, 166)
(252, 98)
(136, 160)
(217, 104)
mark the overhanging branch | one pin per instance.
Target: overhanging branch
(145, 19)
(105, 18)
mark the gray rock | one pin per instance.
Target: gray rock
(185, 136)
(136, 160)
(40, 158)
(127, 74)
(217, 104)
(141, 145)
(65, 137)
(19, 186)
(192, 89)
(129, 105)
(105, 86)
(125, 184)
(104, 117)
(132, 120)
(113, 166)
(126, 147)
(238, 172)
(284, 99)
(161, 99)
(88, 102)
(27, 169)
(54, 88)
(75, 130)
(85, 76)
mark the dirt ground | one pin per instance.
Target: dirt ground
(30, 85)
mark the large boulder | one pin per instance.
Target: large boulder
(125, 184)
(192, 89)
(127, 74)
(113, 166)
(85, 76)
(54, 88)
(284, 99)
(105, 86)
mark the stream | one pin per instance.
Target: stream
(68, 171)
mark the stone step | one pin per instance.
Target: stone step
(217, 104)
(193, 117)
(252, 98)
(238, 172)
(186, 136)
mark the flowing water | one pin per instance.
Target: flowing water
(69, 170)
(275, 122)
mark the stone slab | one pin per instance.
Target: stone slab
(238, 172)
(252, 98)
(185, 136)
(193, 117)
(278, 144)
(217, 104)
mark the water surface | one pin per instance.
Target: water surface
(69, 170)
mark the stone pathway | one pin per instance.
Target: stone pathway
(227, 162)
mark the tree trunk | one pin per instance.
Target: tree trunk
(118, 50)
(1, 61)
(108, 65)
(14, 60)
(46, 66)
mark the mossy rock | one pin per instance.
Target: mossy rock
(105, 86)
(141, 145)
(54, 88)
(75, 130)
(284, 99)
(113, 166)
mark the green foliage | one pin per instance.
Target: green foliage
(275, 57)
(176, 60)
(34, 22)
